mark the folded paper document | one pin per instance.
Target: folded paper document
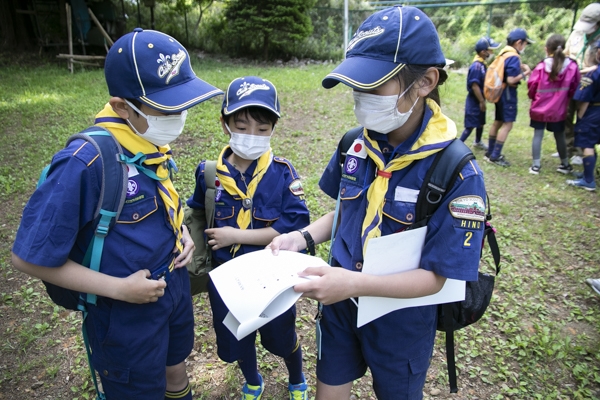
(258, 287)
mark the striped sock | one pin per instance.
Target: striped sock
(184, 394)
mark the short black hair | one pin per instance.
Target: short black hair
(260, 114)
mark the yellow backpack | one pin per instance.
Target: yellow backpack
(494, 77)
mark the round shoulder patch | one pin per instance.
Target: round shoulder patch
(468, 207)
(296, 187)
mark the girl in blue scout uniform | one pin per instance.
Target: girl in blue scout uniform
(258, 197)
(141, 329)
(587, 128)
(475, 105)
(506, 107)
(394, 64)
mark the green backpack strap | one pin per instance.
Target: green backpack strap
(197, 220)
(210, 173)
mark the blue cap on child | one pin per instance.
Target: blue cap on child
(486, 43)
(383, 44)
(250, 91)
(518, 34)
(155, 69)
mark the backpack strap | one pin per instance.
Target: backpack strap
(210, 173)
(346, 141)
(112, 195)
(439, 179)
(110, 204)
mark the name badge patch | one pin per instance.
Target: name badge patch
(406, 195)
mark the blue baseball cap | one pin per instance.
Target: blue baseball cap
(518, 34)
(154, 68)
(250, 91)
(486, 43)
(383, 44)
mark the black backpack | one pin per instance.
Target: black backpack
(437, 182)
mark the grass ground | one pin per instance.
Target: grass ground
(539, 340)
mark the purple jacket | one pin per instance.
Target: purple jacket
(549, 99)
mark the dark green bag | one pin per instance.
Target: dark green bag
(197, 220)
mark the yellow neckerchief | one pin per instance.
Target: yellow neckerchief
(228, 182)
(479, 58)
(439, 131)
(149, 154)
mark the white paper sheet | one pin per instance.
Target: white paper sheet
(258, 287)
(396, 253)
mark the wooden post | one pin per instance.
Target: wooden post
(99, 25)
(70, 35)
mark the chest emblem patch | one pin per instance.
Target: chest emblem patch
(351, 165)
(132, 188)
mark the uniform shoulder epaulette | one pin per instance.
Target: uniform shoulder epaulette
(287, 162)
(82, 150)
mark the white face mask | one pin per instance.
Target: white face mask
(247, 146)
(380, 113)
(163, 129)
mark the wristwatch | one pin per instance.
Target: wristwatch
(310, 243)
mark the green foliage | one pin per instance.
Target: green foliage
(260, 25)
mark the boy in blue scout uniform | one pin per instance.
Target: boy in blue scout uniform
(141, 329)
(258, 197)
(587, 128)
(394, 64)
(506, 107)
(475, 105)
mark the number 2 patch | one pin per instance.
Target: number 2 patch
(467, 240)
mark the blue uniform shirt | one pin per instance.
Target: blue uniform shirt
(453, 242)
(278, 201)
(474, 117)
(512, 67)
(587, 128)
(57, 222)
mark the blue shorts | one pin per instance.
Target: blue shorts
(505, 111)
(587, 129)
(133, 343)
(549, 126)
(397, 348)
(278, 336)
(474, 117)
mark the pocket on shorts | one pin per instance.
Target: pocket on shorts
(111, 372)
(418, 367)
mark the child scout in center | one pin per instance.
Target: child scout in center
(258, 197)
(394, 65)
(141, 329)
(506, 108)
(475, 105)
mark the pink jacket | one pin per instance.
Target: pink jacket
(549, 99)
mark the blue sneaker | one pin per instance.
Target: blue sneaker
(582, 183)
(299, 391)
(251, 392)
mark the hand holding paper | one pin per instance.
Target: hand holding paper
(258, 287)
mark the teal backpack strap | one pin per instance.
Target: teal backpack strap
(110, 204)
(112, 195)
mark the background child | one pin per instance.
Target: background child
(394, 65)
(506, 107)
(475, 105)
(552, 83)
(140, 330)
(587, 128)
(259, 196)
